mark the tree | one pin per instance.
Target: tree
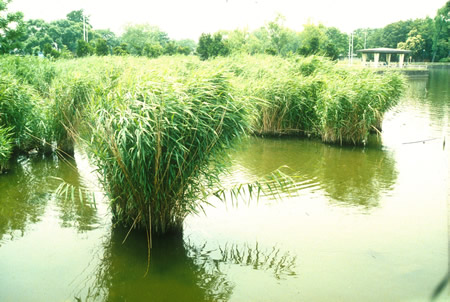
(12, 29)
(77, 16)
(336, 44)
(109, 36)
(312, 39)
(101, 47)
(415, 43)
(153, 50)
(277, 34)
(441, 46)
(137, 36)
(170, 48)
(186, 46)
(395, 32)
(211, 46)
(84, 48)
(121, 50)
(204, 44)
(259, 41)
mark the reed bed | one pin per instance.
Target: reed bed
(354, 104)
(314, 97)
(22, 113)
(158, 130)
(36, 72)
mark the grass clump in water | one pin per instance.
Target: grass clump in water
(314, 97)
(354, 104)
(158, 140)
(5, 148)
(22, 113)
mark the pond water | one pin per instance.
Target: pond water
(361, 224)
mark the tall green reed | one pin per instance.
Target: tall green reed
(20, 110)
(5, 148)
(314, 97)
(158, 142)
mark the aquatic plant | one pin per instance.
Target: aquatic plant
(5, 148)
(70, 96)
(158, 144)
(314, 97)
(36, 72)
(21, 113)
(354, 103)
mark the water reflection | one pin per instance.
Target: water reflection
(432, 92)
(26, 191)
(180, 270)
(280, 265)
(438, 96)
(350, 176)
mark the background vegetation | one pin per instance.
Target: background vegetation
(427, 38)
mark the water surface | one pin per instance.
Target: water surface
(362, 224)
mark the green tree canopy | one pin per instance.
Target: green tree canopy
(139, 35)
(101, 47)
(441, 46)
(12, 29)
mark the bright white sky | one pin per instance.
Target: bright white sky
(189, 18)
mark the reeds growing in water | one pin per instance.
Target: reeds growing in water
(158, 130)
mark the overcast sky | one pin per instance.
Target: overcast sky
(189, 18)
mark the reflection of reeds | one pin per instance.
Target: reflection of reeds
(180, 270)
(28, 189)
(175, 274)
(349, 175)
(279, 264)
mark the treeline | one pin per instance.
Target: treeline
(75, 36)
(427, 39)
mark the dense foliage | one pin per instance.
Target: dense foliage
(157, 130)
(427, 38)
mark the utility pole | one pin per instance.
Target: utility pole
(351, 60)
(84, 28)
(349, 46)
(350, 49)
(365, 39)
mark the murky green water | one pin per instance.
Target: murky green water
(365, 224)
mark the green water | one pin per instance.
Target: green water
(361, 224)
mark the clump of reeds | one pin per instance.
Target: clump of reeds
(21, 113)
(36, 72)
(5, 148)
(158, 142)
(314, 97)
(70, 95)
(353, 104)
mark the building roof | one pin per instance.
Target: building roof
(384, 50)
